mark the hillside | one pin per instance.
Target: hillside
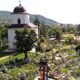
(5, 17)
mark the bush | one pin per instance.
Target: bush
(77, 47)
(4, 69)
(38, 47)
(3, 47)
(69, 39)
(42, 39)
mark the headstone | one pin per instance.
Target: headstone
(22, 76)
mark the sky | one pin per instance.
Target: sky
(63, 11)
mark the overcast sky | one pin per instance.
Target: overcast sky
(64, 11)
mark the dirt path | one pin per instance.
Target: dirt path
(4, 57)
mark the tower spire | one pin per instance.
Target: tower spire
(20, 2)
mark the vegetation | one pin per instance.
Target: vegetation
(25, 40)
(56, 43)
(3, 35)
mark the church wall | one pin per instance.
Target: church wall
(27, 19)
(11, 38)
(23, 17)
(36, 30)
(18, 17)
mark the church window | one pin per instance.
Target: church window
(19, 21)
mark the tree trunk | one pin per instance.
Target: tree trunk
(26, 56)
(36, 53)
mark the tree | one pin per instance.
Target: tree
(78, 49)
(71, 29)
(78, 28)
(44, 30)
(56, 32)
(36, 21)
(58, 35)
(3, 34)
(25, 40)
(69, 39)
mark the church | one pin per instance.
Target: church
(19, 20)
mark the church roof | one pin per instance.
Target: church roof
(19, 9)
(32, 25)
(29, 25)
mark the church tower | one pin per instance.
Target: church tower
(20, 16)
(19, 19)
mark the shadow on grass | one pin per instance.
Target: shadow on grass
(3, 54)
(18, 63)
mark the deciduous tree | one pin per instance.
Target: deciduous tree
(25, 40)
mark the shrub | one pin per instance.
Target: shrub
(69, 39)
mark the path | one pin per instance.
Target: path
(4, 57)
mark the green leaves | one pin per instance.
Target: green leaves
(36, 21)
(25, 40)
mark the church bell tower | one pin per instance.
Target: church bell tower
(19, 20)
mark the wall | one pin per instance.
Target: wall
(11, 38)
(24, 18)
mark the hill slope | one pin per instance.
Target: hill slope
(5, 17)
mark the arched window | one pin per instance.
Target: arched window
(19, 21)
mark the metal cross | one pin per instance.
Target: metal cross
(20, 1)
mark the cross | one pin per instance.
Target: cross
(20, 2)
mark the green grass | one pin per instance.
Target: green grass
(14, 72)
(11, 57)
(27, 68)
(30, 68)
(3, 54)
(64, 69)
(4, 61)
(19, 56)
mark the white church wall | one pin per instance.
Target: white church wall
(11, 38)
(23, 17)
(27, 19)
(36, 30)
